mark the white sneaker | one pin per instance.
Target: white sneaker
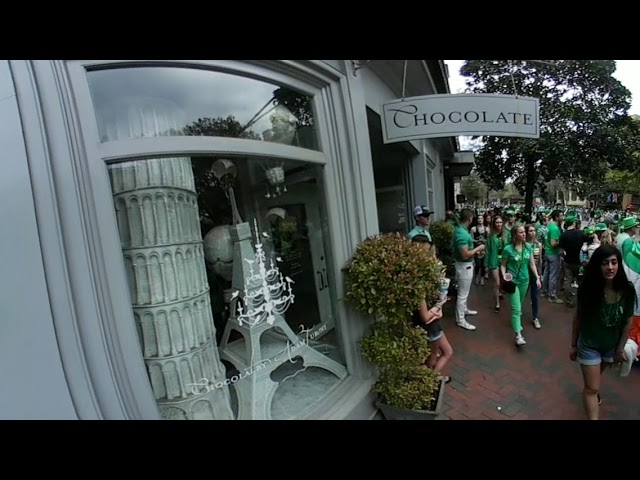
(471, 312)
(466, 325)
(520, 340)
(574, 285)
(536, 324)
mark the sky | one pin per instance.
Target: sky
(627, 71)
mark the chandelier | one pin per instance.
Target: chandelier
(266, 292)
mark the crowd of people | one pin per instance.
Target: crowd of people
(585, 260)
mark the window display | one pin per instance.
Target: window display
(232, 303)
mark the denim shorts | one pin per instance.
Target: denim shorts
(591, 356)
(434, 330)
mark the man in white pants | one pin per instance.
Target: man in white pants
(463, 254)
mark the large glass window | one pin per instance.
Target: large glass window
(150, 101)
(227, 267)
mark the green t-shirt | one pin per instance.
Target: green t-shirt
(553, 233)
(495, 246)
(462, 237)
(602, 330)
(518, 263)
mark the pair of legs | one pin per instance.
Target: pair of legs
(535, 296)
(571, 274)
(495, 274)
(593, 363)
(441, 352)
(464, 275)
(552, 269)
(479, 271)
(516, 299)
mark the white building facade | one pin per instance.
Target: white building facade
(138, 197)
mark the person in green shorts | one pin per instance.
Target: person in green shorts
(517, 259)
(606, 303)
(499, 237)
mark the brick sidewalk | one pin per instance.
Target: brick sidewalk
(495, 380)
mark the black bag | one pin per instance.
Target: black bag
(510, 287)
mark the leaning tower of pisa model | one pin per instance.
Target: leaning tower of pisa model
(159, 224)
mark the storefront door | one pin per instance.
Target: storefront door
(298, 242)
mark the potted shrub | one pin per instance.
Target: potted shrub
(387, 278)
(442, 236)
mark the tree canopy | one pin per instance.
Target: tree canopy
(585, 129)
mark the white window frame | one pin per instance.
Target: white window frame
(90, 298)
(431, 195)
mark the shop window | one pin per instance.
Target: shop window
(132, 102)
(201, 235)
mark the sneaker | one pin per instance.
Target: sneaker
(520, 340)
(471, 312)
(543, 294)
(536, 324)
(556, 300)
(466, 325)
(574, 285)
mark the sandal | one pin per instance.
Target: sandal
(497, 309)
(446, 378)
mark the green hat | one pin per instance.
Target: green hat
(600, 227)
(628, 222)
(589, 231)
(571, 219)
(571, 213)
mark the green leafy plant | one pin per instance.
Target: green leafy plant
(388, 277)
(441, 233)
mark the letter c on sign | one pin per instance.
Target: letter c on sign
(459, 117)
(408, 110)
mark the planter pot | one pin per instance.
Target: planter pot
(396, 413)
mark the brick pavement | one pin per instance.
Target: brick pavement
(533, 382)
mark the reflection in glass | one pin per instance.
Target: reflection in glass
(129, 102)
(184, 210)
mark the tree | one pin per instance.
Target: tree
(584, 126)
(623, 180)
(473, 188)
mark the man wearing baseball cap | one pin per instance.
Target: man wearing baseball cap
(628, 229)
(422, 216)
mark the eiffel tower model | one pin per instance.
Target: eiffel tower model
(260, 299)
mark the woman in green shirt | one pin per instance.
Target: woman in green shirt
(606, 301)
(499, 237)
(517, 260)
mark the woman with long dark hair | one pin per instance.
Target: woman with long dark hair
(498, 239)
(480, 232)
(606, 301)
(536, 250)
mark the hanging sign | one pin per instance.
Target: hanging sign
(434, 116)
